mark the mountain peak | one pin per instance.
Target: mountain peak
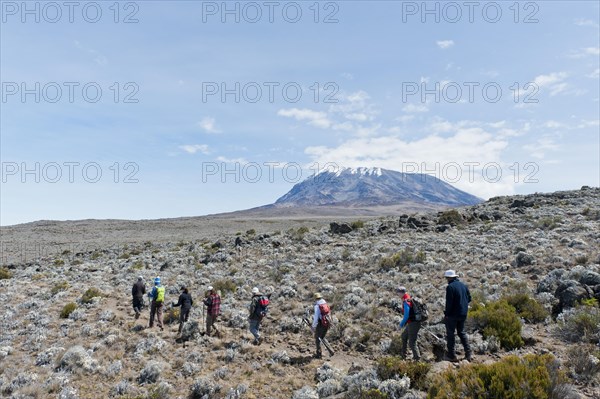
(373, 187)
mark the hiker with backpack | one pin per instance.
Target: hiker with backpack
(212, 301)
(258, 310)
(157, 298)
(137, 293)
(186, 302)
(455, 315)
(321, 322)
(411, 319)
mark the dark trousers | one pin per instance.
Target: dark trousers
(320, 332)
(183, 317)
(138, 304)
(456, 324)
(210, 323)
(409, 336)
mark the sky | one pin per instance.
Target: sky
(157, 109)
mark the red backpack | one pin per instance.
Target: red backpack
(325, 315)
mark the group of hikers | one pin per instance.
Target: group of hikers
(455, 314)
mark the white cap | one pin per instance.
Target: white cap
(255, 290)
(210, 288)
(450, 273)
(401, 289)
(140, 278)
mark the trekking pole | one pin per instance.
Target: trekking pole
(322, 340)
(432, 334)
(203, 323)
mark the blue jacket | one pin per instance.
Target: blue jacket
(406, 305)
(457, 299)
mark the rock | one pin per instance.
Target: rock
(305, 392)
(337, 228)
(523, 259)
(569, 293)
(522, 203)
(551, 281)
(590, 278)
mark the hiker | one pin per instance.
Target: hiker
(186, 302)
(157, 297)
(411, 332)
(321, 322)
(137, 293)
(455, 314)
(258, 310)
(212, 301)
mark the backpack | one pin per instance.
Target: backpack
(160, 294)
(326, 320)
(419, 310)
(262, 304)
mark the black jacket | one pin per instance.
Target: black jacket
(138, 290)
(185, 301)
(457, 299)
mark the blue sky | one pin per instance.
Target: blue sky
(168, 146)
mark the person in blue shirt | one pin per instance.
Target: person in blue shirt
(411, 332)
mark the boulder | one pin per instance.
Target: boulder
(523, 259)
(570, 292)
(340, 228)
(590, 278)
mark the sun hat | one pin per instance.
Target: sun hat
(255, 290)
(210, 288)
(450, 273)
(318, 295)
(140, 278)
(401, 289)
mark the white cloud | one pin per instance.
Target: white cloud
(98, 57)
(585, 22)
(472, 144)
(595, 74)
(540, 147)
(194, 148)
(348, 76)
(585, 52)
(554, 82)
(315, 118)
(232, 160)
(208, 124)
(412, 108)
(444, 44)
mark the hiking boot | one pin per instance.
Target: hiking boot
(317, 356)
(469, 357)
(451, 358)
(256, 342)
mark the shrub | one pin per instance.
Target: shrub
(500, 320)
(403, 258)
(591, 302)
(357, 224)
(137, 265)
(548, 223)
(392, 366)
(67, 310)
(530, 377)
(172, 315)
(584, 363)
(451, 217)
(581, 260)
(581, 324)
(95, 255)
(395, 347)
(225, 286)
(370, 394)
(59, 262)
(124, 255)
(90, 294)
(5, 274)
(527, 308)
(58, 287)
(251, 232)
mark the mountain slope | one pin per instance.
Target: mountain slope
(373, 187)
